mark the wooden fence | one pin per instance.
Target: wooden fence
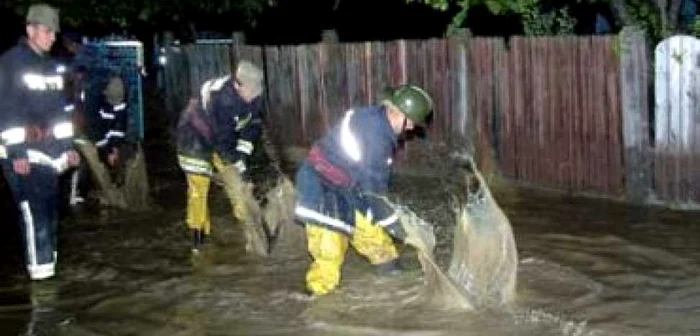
(564, 112)
(677, 121)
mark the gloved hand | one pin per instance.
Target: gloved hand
(240, 165)
(242, 170)
(396, 230)
(382, 208)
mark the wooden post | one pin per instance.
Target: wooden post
(237, 41)
(634, 78)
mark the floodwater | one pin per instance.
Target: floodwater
(587, 267)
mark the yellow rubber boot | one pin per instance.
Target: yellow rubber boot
(327, 249)
(197, 207)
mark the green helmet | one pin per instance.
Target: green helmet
(414, 102)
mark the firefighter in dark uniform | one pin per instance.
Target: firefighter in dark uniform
(218, 131)
(36, 133)
(107, 128)
(113, 113)
(341, 183)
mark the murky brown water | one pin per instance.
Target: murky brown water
(587, 267)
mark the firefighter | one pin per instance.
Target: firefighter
(218, 130)
(107, 128)
(36, 136)
(341, 185)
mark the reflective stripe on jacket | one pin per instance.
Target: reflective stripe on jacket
(219, 121)
(34, 110)
(358, 149)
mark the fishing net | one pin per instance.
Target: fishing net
(238, 190)
(133, 193)
(482, 270)
(269, 200)
(484, 255)
(136, 187)
(287, 238)
(440, 290)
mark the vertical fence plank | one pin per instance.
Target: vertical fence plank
(556, 111)
(579, 95)
(616, 106)
(598, 164)
(519, 120)
(527, 126)
(355, 68)
(508, 162)
(544, 146)
(505, 86)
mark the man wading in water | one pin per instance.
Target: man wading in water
(339, 183)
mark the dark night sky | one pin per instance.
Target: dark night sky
(297, 21)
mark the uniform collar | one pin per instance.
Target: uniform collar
(24, 44)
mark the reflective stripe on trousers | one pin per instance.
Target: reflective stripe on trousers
(36, 199)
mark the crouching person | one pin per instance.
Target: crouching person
(111, 158)
(340, 180)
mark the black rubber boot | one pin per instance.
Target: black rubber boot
(197, 240)
(389, 268)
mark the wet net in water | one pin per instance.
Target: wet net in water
(253, 225)
(133, 193)
(483, 267)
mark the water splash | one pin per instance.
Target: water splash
(483, 267)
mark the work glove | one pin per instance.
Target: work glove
(242, 170)
(396, 230)
(382, 208)
(240, 166)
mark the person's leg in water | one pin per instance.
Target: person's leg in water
(327, 248)
(198, 209)
(373, 242)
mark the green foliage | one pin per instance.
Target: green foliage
(695, 27)
(555, 22)
(647, 14)
(535, 20)
(122, 14)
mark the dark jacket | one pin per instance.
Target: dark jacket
(368, 161)
(32, 99)
(107, 127)
(344, 168)
(220, 122)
